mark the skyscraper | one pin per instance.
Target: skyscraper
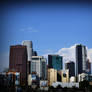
(81, 58)
(39, 66)
(18, 61)
(29, 46)
(55, 61)
(71, 66)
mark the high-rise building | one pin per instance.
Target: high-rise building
(55, 61)
(29, 46)
(52, 76)
(39, 66)
(88, 67)
(81, 58)
(71, 66)
(18, 61)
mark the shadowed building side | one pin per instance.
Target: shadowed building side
(81, 59)
(71, 66)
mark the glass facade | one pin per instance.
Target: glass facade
(55, 61)
(81, 59)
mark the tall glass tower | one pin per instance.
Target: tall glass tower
(81, 59)
(55, 61)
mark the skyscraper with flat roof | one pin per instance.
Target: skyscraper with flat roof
(18, 61)
(81, 59)
(39, 66)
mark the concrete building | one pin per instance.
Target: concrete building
(82, 77)
(81, 59)
(18, 61)
(39, 66)
(65, 76)
(52, 76)
(55, 61)
(71, 66)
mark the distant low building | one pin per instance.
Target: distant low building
(3, 79)
(14, 76)
(82, 77)
(65, 76)
(43, 83)
(9, 79)
(63, 85)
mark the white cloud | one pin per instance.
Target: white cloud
(67, 53)
(89, 52)
(29, 29)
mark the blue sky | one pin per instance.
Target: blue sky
(51, 26)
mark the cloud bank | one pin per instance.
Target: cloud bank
(69, 54)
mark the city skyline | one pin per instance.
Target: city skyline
(53, 27)
(68, 54)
